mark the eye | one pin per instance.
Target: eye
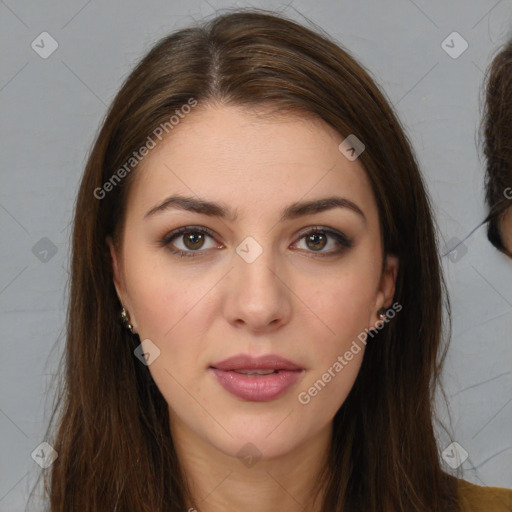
(192, 239)
(317, 239)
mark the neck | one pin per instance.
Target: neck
(222, 483)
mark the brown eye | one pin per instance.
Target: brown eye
(193, 240)
(189, 241)
(316, 241)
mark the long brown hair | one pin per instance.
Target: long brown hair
(115, 450)
(497, 141)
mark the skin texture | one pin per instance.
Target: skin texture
(505, 227)
(290, 301)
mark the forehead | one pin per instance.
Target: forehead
(251, 161)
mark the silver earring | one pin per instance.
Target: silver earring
(125, 318)
(382, 314)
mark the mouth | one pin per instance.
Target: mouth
(256, 379)
(255, 373)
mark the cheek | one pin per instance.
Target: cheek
(170, 312)
(339, 352)
(321, 396)
(344, 305)
(169, 309)
(161, 295)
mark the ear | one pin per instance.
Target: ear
(387, 284)
(116, 270)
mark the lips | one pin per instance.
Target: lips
(256, 379)
(267, 362)
(256, 372)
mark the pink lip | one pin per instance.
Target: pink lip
(245, 362)
(260, 388)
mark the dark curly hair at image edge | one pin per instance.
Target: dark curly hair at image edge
(497, 144)
(112, 435)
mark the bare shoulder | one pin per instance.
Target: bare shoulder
(476, 498)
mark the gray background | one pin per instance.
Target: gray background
(51, 109)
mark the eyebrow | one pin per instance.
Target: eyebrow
(292, 211)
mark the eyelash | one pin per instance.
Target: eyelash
(342, 240)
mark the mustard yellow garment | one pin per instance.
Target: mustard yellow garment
(475, 498)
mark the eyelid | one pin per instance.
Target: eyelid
(340, 238)
(175, 233)
(336, 234)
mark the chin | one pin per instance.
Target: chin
(257, 446)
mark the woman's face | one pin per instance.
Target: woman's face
(257, 283)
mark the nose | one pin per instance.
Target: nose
(257, 294)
